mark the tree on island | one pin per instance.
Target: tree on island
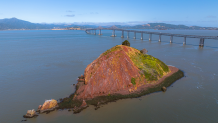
(126, 42)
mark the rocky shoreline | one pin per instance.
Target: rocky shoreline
(77, 106)
(119, 73)
(47, 107)
(71, 103)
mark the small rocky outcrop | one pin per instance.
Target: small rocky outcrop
(144, 51)
(83, 104)
(97, 106)
(40, 106)
(81, 78)
(164, 89)
(49, 105)
(30, 114)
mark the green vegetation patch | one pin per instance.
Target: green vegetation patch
(112, 50)
(133, 81)
(150, 67)
(68, 102)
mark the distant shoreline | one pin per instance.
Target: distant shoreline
(34, 29)
(85, 29)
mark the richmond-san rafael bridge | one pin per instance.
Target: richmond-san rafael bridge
(201, 38)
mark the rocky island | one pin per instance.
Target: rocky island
(118, 73)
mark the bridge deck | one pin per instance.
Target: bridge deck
(159, 33)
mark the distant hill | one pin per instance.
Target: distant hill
(163, 26)
(14, 23)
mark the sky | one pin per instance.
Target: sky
(187, 12)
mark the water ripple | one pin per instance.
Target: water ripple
(216, 100)
(199, 86)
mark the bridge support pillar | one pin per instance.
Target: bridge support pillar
(122, 36)
(201, 44)
(113, 34)
(184, 42)
(95, 32)
(159, 38)
(171, 39)
(141, 36)
(128, 34)
(134, 35)
(99, 32)
(150, 35)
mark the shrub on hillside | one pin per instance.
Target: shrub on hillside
(126, 42)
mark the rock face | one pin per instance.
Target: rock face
(120, 68)
(48, 104)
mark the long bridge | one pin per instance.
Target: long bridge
(201, 42)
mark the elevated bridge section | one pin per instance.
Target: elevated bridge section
(114, 29)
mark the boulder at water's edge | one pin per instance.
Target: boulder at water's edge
(48, 104)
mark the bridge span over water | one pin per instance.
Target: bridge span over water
(201, 42)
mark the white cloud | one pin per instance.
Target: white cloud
(210, 16)
(70, 11)
(72, 15)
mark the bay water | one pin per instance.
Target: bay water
(36, 65)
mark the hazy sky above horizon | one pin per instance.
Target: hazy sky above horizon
(188, 12)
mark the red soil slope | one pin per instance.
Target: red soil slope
(111, 73)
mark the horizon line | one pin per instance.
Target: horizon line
(129, 23)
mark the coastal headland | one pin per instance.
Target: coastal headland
(119, 73)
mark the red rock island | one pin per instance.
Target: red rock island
(118, 73)
(121, 70)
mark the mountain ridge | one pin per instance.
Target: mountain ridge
(14, 23)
